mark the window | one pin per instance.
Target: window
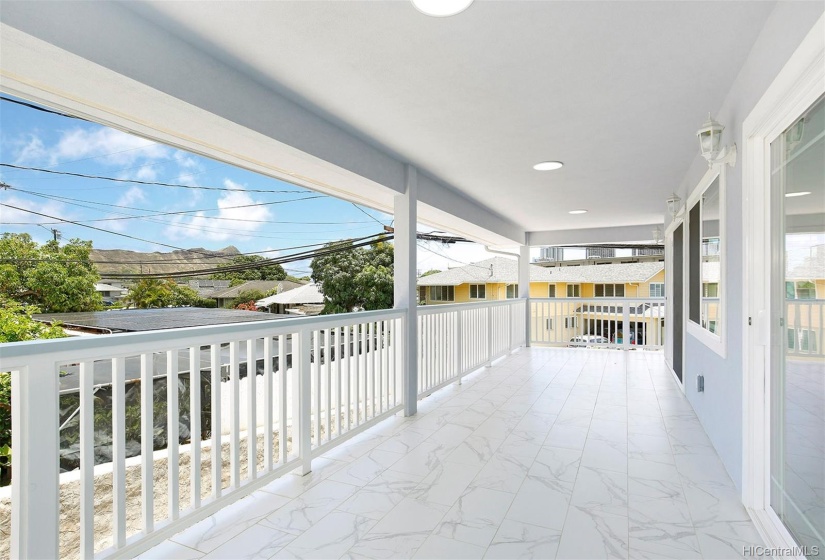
(549, 324)
(657, 289)
(442, 293)
(478, 291)
(512, 291)
(705, 256)
(574, 290)
(791, 339)
(807, 341)
(422, 294)
(609, 290)
(805, 290)
(551, 290)
(570, 322)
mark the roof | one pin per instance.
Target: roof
(505, 271)
(308, 293)
(100, 287)
(258, 285)
(132, 320)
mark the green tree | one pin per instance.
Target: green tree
(55, 278)
(430, 273)
(245, 297)
(355, 277)
(154, 293)
(262, 272)
(16, 325)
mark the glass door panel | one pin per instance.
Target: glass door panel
(797, 317)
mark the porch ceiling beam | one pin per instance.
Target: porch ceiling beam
(105, 62)
(595, 235)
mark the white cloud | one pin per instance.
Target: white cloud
(134, 194)
(29, 150)
(106, 145)
(12, 216)
(186, 161)
(199, 225)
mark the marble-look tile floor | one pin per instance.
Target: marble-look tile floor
(549, 453)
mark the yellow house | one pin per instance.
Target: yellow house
(566, 306)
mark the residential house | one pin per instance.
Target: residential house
(226, 296)
(303, 300)
(110, 294)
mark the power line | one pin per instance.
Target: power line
(150, 183)
(382, 224)
(38, 108)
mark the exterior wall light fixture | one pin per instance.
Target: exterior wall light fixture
(673, 204)
(710, 144)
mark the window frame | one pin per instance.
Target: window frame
(578, 288)
(435, 293)
(604, 287)
(551, 290)
(657, 284)
(715, 341)
(483, 288)
(511, 289)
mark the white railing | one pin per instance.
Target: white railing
(319, 380)
(598, 322)
(160, 429)
(804, 324)
(456, 339)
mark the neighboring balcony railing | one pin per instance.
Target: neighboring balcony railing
(122, 440)
(598, 322)
(804, 325)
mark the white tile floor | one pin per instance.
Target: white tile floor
(550, 453)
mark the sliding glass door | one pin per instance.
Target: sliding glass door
(797, 376)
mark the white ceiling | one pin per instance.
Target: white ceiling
(616, 90)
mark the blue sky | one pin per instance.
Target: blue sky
(265, 221)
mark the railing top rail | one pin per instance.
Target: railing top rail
(639, 300)
(124, 344)
(444, 307)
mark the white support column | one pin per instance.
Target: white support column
(524, 288)
(406, 219)
(35, 504)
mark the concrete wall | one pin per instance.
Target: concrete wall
(719, 408)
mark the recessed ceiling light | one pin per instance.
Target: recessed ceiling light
(548, 166)
(441, 8)
(793, 194)
(578, 212)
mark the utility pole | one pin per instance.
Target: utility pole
(55, 232)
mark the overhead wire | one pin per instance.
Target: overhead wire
(150, 183)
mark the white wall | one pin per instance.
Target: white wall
(719, 408)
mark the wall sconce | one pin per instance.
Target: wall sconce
(673, 204)
(657, 235)
(710, 144)
(441, 8)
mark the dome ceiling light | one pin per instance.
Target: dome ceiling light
(548, 166)
(441, 8)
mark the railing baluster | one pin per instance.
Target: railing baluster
(328, 383)
(147, 442)
(282, 398)
(269, 373)
(119, 450)
(347, 341)
(303, 418)
(235, 415)
(87, 461)
(195, 425)
(316, 383)
(172, 439)
(251, 410)
(339, 358)
(215, 422)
